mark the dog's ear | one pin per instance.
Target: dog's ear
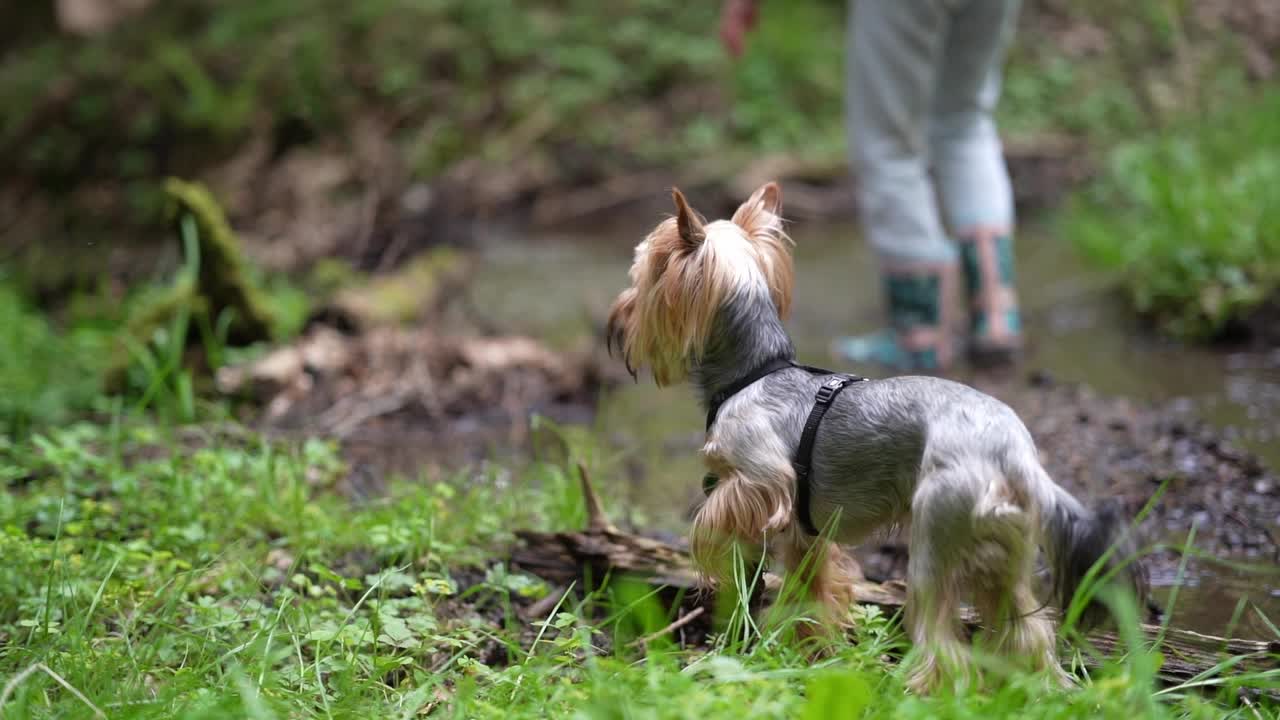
(767, 196)
(688, 221)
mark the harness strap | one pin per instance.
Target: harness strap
(769, 368)
(804, 452)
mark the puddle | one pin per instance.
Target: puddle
(558, 287)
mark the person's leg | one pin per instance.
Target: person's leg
(895, 49)
(973, 182)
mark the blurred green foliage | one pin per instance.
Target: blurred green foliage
(583, 87)
(565, 92)
(44, 376)
(188, 81)
(1186, 215)
(586, 88)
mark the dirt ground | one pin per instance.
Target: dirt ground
(410, 400)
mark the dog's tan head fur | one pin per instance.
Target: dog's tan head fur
(686, 270)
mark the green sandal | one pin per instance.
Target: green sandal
(918, 296)
(995, 324)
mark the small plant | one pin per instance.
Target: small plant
(45, 376)
(1184, 217)
(158, 368)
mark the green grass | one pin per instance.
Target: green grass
(153, 568)
(44, 376)
(1184, 216)
(153, 347)
(164, 576)
(210, 573)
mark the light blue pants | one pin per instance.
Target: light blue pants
(924, 77)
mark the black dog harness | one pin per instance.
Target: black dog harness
(804, 452)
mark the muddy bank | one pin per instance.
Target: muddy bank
(359, 206)
(1111, 447)
(410, 400)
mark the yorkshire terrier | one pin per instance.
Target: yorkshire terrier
(957, 467)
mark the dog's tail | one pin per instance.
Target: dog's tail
(1077, 538)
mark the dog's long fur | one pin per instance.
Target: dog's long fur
(956, 466)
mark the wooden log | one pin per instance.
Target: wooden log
(602, 550)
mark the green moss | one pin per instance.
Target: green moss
(329, 275)
(213, 302)
(406, 295)
(223, 280)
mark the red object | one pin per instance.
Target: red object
(737, 18)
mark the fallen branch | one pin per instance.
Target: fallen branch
(680, 622)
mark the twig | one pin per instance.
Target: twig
(597, 521)
(345, 417)
(392, 253)
(17, 680)
(679, 623)
(544, 606)
(1249, 704)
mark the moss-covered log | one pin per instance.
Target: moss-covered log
(223, 280)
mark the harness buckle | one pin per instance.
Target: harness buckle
(828, 391)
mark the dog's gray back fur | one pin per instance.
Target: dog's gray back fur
(881, 439)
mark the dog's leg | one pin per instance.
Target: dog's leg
(939, 540)
(997, 563)
(1019, 626)
(931, 618)
(824, 575)
(1006, 535)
